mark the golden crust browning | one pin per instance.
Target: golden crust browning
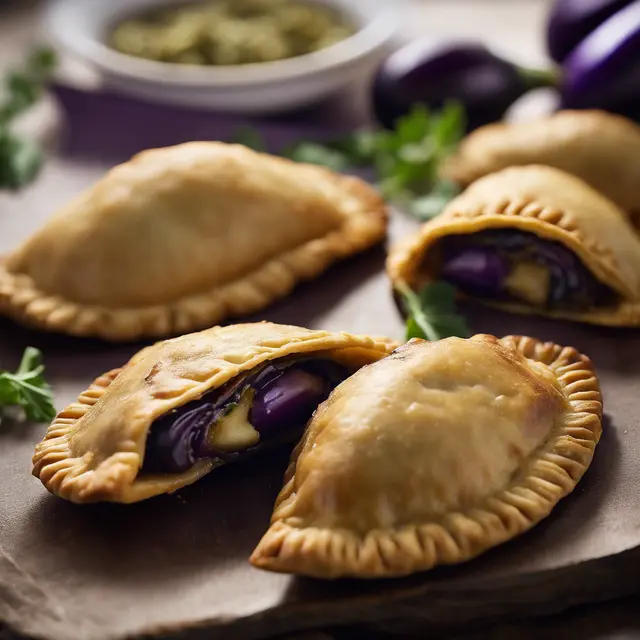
(553, 205)
(181, 238)
(420, 460)
(94, 448)
(599, 147)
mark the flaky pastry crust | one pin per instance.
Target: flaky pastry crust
(434, 455)
(597, 146)
(180, 238)
(553, 205)
(94, 448)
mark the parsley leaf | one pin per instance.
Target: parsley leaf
(431, 205)
(432, 312)
(249, 137)
(314, 153)
(361, 147)
(28, 389)
(406, 160)
(42, 62)
(449, 128)
(409, 158)
(22, 87)
(20, 158)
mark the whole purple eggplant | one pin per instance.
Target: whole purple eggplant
(603, 71)
(433, 72)
(571, 21)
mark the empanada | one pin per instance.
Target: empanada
(599, 147)
(184, 406)
(534, 240)
(433, 455)
(182, 237)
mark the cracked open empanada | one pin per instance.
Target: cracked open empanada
(184, 406)
(433, 455)
(182, 237)
(599, 147)
(533, 240)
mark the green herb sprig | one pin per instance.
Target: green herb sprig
(20, 157)
(405, 160)
(28, 389)
(432, 312)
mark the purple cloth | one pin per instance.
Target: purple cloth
(113, 128)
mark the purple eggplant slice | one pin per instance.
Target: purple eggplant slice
(180, 408)
(268, 405)
(507, 264)
(479, 268)
(603, 71)
(571, 21)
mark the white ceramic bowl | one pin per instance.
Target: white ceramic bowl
(80, 26)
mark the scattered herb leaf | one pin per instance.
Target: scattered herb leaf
(409, 158)
(432, 312)
(429, 206)
(361, 147)
(20, 158)
(28, 389)
(314, 153)
(250, 137)
(449, 128)
(42, 61)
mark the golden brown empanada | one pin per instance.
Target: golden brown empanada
(184, 406)
(433, 455)
(180, 238)
(599, 147)
(533, 240)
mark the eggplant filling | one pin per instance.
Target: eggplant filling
(508, 264)
(268, 405)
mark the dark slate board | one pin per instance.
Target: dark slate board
(179, 562)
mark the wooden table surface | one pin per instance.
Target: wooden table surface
(514, 27)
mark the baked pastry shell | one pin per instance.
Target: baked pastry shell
(92, 454)
(360, 228)
(615, 263)
(551, 473)
(597, 146)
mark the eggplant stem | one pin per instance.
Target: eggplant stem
(538, 78)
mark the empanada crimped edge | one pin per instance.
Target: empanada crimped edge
(585, 142)
(616, 264)
(21, 299)
(552, 472)
(75, 475)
